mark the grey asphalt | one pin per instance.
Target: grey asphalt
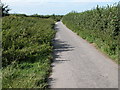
(78, 64)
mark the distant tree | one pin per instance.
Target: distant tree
(53, 16)
(73, 11)
(4, 9)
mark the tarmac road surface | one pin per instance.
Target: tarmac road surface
(78, 64)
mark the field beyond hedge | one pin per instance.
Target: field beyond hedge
(100, 26)
(27, 48)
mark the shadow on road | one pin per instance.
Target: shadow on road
(59, 47)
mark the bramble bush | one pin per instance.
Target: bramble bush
(25, 37)
(27, 48)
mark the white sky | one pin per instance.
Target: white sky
(43, 1)
(53, 6)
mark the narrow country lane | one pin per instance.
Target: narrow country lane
(78, 64)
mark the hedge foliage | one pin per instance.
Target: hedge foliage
(99, 26)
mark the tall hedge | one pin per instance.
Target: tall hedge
(99, 26)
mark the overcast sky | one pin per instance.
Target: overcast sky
(46, 7)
